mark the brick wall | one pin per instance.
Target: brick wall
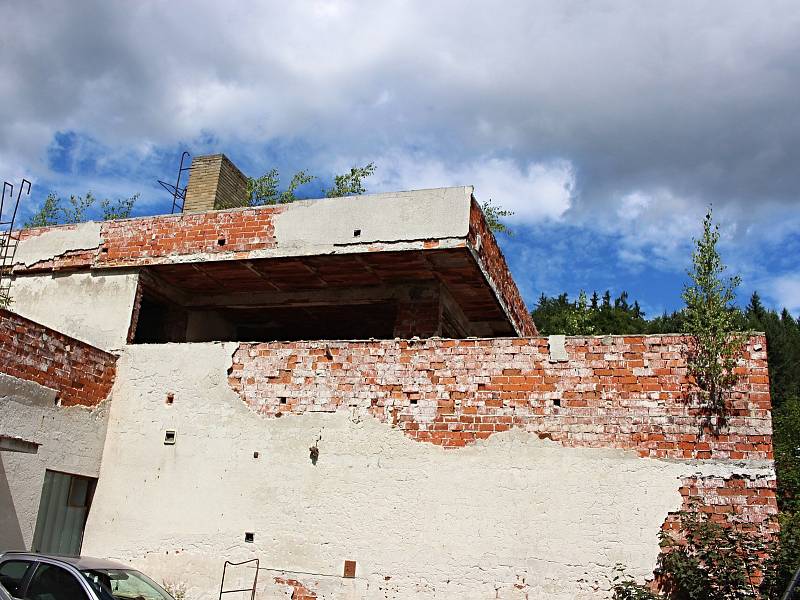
(80, 373)
(620, 392)
(496, 270)
(145, 241)
(748, 502)
(151, 240)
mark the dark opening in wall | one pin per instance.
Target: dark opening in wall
(162, 320)
(159, 322)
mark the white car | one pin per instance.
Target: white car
(47, 577)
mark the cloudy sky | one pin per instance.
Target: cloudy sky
(607, 127)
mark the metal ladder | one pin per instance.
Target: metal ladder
(252, 589)
(8, 241)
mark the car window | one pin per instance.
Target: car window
(50, 582)
(11, 574)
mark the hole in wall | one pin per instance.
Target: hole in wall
(249, 537)
(170, 398)
(557, 402)
(356, 233)
(283, 400)
(221, 242)
(413, 402)
(169, 437)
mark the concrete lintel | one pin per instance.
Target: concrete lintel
(558, 353)
(15, 444)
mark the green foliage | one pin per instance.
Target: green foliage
(494, 218)
(712, 562)
(787, 558)
(56, 211)
(119, 209)
(75, 209)
(351, 184)
(711, 321)
(786, 435)
(707, 561)
(176, 589)
(624, 587)
(266, 190)
(47, 215)
(587, 316)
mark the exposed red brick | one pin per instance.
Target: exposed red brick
(145, 241)
(299, 591)
(747, 503)
(621, 392)
(151, 240)
(496, 270)
(80, 373)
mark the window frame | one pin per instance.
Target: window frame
(84, 585)
(23, 582)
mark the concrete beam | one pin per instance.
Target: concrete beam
(15, 444)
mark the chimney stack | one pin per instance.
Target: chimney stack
(215, 183)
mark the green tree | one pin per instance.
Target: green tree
(494, 217)
(266, 190)
(352, 183)
(47, 215)
(710, 320)
(119, 209)
(56, 211)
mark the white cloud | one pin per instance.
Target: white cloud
(623, 118)
(785, 291)
(535, 192)
(697, 98)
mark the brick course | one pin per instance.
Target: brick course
(620, 392)
(750, 503)
(496, 270)
(80, 373)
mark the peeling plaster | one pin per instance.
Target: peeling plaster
(95, 308)
(57, 241)
(71, 440)
(500, 517)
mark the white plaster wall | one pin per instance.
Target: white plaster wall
(93, 307)
(314, 226)
(71, 441)
(510, 516)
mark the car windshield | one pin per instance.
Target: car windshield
(127, 584)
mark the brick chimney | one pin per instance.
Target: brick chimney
(215, 183)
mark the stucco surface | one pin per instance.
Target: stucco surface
(83, 236)
(71, 441)
(311, 225)
(92, 307)
(505, 517)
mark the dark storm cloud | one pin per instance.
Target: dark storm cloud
(620, 116)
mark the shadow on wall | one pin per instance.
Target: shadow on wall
(10, 532)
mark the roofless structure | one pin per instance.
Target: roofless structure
(351, 391)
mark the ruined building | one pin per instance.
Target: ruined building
(352, 391)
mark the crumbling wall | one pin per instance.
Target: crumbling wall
(79, 373)
(627, 392)
(93, 307)
(561, 487)
(52, 389)
(484, 246)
